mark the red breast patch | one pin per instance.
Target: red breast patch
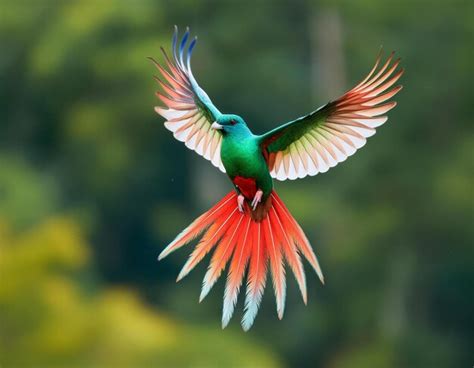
(247, 186)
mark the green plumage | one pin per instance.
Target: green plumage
(241, 153)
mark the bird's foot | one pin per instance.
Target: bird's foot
(240, 202)
(257, 199)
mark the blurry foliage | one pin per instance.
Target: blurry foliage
(49, 319)
(78, 136)
(24, 196)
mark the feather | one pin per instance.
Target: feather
(184, 98)
(238, 238)
(236, 272)
(336, 130)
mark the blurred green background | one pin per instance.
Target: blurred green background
(92, 186)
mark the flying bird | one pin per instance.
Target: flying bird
(251, 228)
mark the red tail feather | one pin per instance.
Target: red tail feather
(241, 239)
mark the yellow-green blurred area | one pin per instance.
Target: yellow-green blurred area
(92, 186)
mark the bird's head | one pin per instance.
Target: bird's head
(230, 124)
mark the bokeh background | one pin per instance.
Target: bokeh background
(92, 186)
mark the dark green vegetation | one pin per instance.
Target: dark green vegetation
(92, 186)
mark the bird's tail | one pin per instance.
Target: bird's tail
(244, 242)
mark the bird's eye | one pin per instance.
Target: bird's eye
(233, 122)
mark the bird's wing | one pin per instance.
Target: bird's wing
(189, 112)
(320, 140)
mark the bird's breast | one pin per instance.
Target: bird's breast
(241, 157)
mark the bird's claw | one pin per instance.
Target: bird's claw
(240, 202)
(257, 199)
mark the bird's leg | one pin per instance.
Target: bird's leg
(240, 202)
(257, 199)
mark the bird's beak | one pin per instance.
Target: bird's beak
(216, 125)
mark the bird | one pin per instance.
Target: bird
(250, 229)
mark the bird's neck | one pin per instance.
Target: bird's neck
(241, 132)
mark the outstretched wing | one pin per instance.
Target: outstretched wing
(318, 141)
(189, 112)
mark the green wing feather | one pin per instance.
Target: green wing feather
(320, 140)
(280, 138)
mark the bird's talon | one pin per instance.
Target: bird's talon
(240, 202)
(257, 199)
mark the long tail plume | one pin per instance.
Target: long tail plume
(251, 245)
